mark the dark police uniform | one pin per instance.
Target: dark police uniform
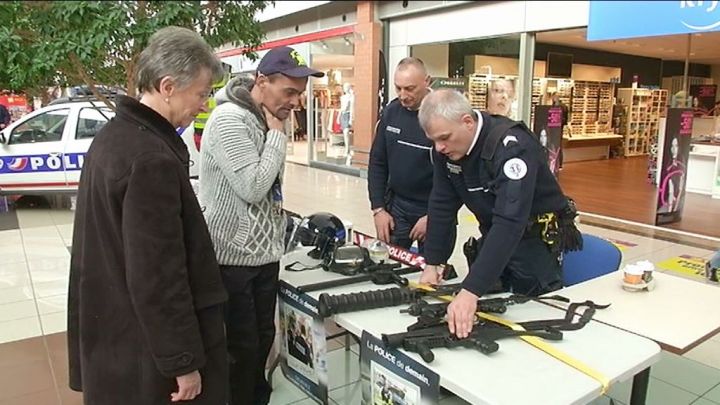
(400, 170)
(507, 191)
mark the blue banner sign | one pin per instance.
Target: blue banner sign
(632, 19)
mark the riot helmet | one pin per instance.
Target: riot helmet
(322, 230)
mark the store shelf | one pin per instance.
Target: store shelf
(645, 107)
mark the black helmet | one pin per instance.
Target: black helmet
(323, 230)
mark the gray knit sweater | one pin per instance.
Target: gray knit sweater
(239, 162)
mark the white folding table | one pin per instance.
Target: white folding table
(518, 373)
(679, 314)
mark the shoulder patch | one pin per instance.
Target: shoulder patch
(508, 139)
(515, 169)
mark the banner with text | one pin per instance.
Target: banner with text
(397, 253)
(391, 377)
(303, 343)
(548, 128)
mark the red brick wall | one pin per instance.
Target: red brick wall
(368, 39)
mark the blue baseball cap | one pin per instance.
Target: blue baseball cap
(287, 61)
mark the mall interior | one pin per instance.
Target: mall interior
(625, 98)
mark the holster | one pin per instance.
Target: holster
(569, 236)
(471, 248)
(557, 229)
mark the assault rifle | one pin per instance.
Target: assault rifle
(421, 338)
(425, 310)
(381, 274)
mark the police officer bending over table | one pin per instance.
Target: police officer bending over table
(497, 168)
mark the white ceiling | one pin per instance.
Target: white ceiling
(704, 47)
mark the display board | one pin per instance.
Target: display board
(673, 170)
(389, 376)
(548, 128)
(303, 343)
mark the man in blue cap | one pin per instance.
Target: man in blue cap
(242, 160)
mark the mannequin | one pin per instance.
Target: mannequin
(346, 115)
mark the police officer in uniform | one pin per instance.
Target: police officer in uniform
(496, 167)
(201, 119)
(400, 166)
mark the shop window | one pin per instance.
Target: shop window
(46, 127)
(331, 124)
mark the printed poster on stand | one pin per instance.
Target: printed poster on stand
(548, 128)
(303, 343)
(390, 377)
(703, 96)
(673, 169)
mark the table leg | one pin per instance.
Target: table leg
(640, 387)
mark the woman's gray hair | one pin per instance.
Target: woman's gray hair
(177, 52)
(444, 103)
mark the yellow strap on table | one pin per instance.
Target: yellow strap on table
(535, 341)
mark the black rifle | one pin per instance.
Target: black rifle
(497, 305)
(423, 337)
(389, 297)
(483, 337)
(383, 273)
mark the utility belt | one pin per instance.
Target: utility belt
(557, 229)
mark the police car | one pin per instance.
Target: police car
(43, 152)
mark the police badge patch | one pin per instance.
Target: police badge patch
(515, 169)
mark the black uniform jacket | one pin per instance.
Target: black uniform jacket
(400, 157)
(503, 194)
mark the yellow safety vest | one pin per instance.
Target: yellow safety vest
(201, 119)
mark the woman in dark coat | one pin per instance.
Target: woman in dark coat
(145, 321)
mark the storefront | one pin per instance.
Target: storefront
(320, 129)
(329, 36)
(616, 92)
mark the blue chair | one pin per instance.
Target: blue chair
(597, 258)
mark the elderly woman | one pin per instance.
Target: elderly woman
(145, 320)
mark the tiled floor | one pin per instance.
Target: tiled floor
(34, 260)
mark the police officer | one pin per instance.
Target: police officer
(201, 119)
(400, 166)
(496, 167)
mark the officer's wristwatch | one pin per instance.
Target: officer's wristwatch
(377, 210)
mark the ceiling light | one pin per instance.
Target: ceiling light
(324, 45)
(347, 41)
